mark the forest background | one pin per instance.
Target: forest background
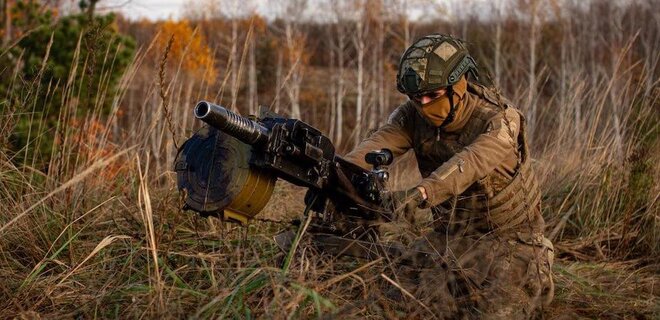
(94, 106)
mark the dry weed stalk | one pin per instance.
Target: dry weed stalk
(146, 213)
(164, 90)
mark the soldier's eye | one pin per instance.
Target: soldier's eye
(432, 95)
(429, 95)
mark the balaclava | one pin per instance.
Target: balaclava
(437, 111)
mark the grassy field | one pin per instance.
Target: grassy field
(133, 254)
(104, 237)
(91, 226)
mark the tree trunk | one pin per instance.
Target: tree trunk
(234, 64)
(373, 81)
(498, 45)
(252, 78)
(406, 24)
(380, 75)
(360, 47)
(359, 98)
(91, 9)
(295, 53)
(376, 64)
(531, 93)
(333, 85)
(341, 91)
(278, 81)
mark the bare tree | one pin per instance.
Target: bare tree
(359, 41)
(339, 43)
(226, 14)
(234, 10)
(292, 13)
(252, 77)
(498, 6)
(233, 59)
(333, 84)
(531, 91)
(401, 10)
(377, 19)
(278, 82)
(383, 97)
(293, 43)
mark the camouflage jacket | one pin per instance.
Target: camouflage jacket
(476, 171)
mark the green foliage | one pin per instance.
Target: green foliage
(32, 141)
(88, 51)
(78, 69)
(28, 14)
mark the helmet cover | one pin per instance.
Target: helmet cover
(432, 62)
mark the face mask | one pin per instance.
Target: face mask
(437, 110)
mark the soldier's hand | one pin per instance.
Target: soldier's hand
(404, 203)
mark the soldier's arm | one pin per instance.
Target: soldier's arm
(394, 135)
(489, 150)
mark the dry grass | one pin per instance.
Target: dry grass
(606, 290)
(208, 269)
(100, 234)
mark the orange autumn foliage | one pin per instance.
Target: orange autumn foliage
(188, 49)
(89, 139)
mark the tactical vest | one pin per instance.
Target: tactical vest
(496, 202)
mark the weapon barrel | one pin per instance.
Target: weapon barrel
(235, 125)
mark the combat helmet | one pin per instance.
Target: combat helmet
(433, 62)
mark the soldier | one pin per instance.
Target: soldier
(472, 153)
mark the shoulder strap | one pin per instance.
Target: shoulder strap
(489, 95)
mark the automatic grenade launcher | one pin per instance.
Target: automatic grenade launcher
(229, 168)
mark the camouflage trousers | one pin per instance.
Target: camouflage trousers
(486, 277)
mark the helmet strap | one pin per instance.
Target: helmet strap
(452, 108)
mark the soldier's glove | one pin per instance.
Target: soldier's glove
(404, 203)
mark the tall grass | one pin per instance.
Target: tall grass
(100, 232)
(599, 171)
